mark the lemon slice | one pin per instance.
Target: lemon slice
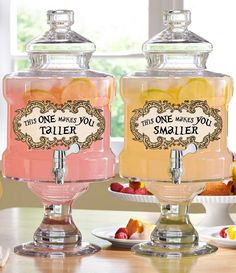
(40, 95)
(56, 92)
(111, 93)
(234, 173)
(196, 89)
(156, 95)
(79, 89)
(228, 91)
(232, 232)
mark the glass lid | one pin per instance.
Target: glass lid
(176, 37)
(60, 38)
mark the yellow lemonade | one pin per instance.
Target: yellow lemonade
(140, 160)
(176, 102)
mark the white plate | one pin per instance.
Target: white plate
(228, 199)
(224, 199)
(212, 234)
(107, 233)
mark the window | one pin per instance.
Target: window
(118, 28)
(214, 22)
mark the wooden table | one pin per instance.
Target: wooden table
(18, 224)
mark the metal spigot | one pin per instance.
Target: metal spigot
(59, 162)
(176, 162)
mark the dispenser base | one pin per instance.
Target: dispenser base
(37, 250)
(164, 250)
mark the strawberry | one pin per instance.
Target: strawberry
(116, 187)
(128, 190)
(222, 233)
(121, 235)
(141, 191)
(122, 229)
(136, 185)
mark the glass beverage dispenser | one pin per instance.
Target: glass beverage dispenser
(176, 131)
(58, 131)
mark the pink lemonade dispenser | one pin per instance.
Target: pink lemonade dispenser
(176, 124)
(58, 131)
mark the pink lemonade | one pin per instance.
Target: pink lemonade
(59, 102)
(21, 162)
(58, 132)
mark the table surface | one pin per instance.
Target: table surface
(19, 224)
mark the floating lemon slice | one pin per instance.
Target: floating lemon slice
(174, 93)
(79, 89)
(156, 95)
(228, 91)
(56, 92)
(40, 95)
(196, 89)
(111, 93)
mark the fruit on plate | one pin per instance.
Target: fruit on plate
(138, 188)
(234, 179)
(116, 187)
(134, 226)
(136, 185)
(136, 230)
(228, 232)
(128, 190)
(223, 233)
(142, 191)
(121, 233)
(218, 188)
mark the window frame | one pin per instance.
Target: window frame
(9, 58)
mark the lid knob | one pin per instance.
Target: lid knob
(177, 18)
(176, 38)
(60, 18)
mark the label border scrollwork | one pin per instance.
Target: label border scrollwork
(161, 107)
(44, 107)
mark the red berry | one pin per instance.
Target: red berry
(142, 191)
(116, 187)
(121, 235)
(222, 233)
(122, 229)
(128, 190)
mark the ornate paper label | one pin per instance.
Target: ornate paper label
(160, 124)
(43, 124)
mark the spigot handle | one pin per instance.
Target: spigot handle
(191, 149)
(73, 149)
(59, 162)
(176, 165)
